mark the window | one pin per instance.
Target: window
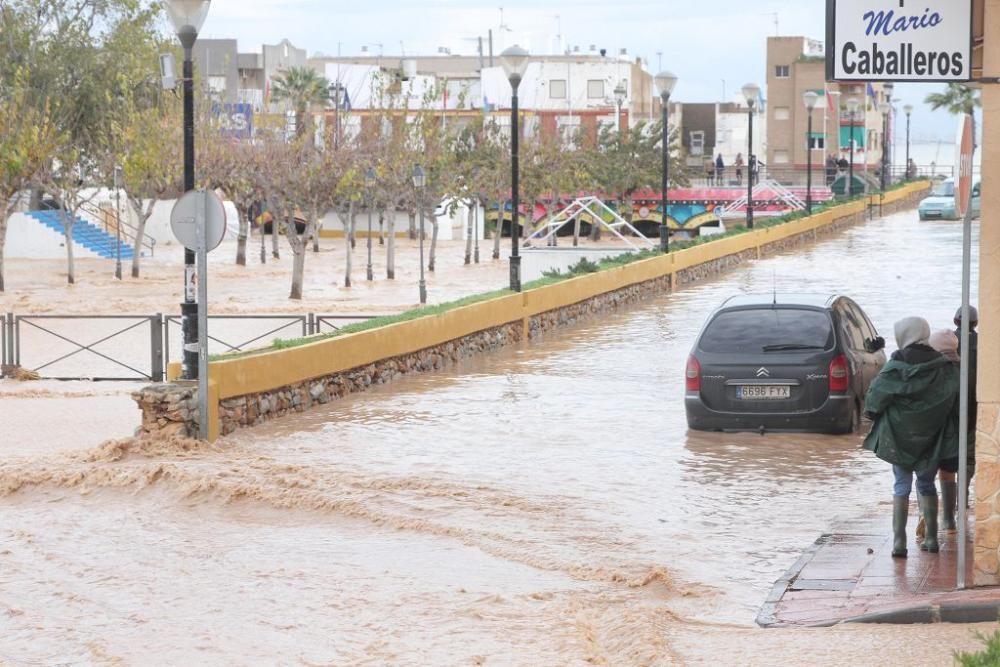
(698, 143)
(217, 84)
(557, 89)
(782, 71)
(781, 157)
(817, 142)
(782, 113)
(595, 89)
(750, 331)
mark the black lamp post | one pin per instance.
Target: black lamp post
(852, 110)
(118, 223)
(515, 62)
(419, 181)
(810, 99)
(187, 17)
(884, 108)
(751, 92)
(370, 188)
(908, 109)
(665, 82)
(620, 93)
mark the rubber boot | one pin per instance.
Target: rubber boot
(929, 509)
(900, 508)
(949, 502)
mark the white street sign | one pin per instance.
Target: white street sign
(183, 219)
(899, 40)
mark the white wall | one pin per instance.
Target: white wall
(158, 225)
(28, 238)
(535, 261)
(448, 227)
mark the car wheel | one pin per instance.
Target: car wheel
(852, 424)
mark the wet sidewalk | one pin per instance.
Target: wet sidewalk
(852, 577)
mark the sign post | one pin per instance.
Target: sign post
(963, 196)
(899, 40)
(198, 221)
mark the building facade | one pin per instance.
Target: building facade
(795, 66)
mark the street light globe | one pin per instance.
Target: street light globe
(665, 83)
(908, 109)
(370, 178)
(419, 177)
(884, 108)
(187, 17)
(515, 62)
(810, 99)
(751, 93)
(852, 105)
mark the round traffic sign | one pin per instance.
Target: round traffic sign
(184, 220)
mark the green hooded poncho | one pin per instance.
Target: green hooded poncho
(915, 412)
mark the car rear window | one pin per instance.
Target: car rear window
(750, 331)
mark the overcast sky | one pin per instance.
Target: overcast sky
(713, 46)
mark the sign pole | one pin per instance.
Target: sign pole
(201, 214)
(965, 165)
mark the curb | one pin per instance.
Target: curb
(973, 612)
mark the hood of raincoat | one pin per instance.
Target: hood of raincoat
(915, 408)
(912, 330)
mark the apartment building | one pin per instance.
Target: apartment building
(796, 65)
(233, 77)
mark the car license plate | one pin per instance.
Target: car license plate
(763, 392)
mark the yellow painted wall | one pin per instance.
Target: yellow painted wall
(267, 371)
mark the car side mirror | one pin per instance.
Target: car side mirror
(873, 345)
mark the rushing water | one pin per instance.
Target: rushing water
(541, 505)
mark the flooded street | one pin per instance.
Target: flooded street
(544, 505)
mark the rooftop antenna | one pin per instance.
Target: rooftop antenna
(659, 61)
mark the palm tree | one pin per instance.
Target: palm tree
(957, 99)
(301, 87)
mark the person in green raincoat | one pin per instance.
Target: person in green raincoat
(914, 403)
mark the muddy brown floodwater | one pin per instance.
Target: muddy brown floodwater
(544, 505)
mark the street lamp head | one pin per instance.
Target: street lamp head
(419, 177)
(852, 105)
(810, 99)
(665, 83)
(370, 178)
(907, 109)
(620, 92)
(751, 93)
(187, 17)
(884, 108)
(515, 62)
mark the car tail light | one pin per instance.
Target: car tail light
(840, 375)
(693, 374)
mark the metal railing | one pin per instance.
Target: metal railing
(119, 348)
(129, 234)
(55, 353)
(218, 343)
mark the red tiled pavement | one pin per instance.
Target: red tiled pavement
(848, 575)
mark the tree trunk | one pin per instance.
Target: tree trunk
(498, 231)
(468, 237)
(413, 226)
(68, 222)
(381, 228)
(434, 240)
(4, 212)
(576, 230)
(298, 272)
(241, 240)
(346, 220)
(144, 216)
(354, 226)
(275, 225)
(390, 249)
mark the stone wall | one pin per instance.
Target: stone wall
(987, 556)
(173, 407)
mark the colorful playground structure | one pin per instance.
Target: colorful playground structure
(688, 211)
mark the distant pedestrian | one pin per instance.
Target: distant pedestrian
(911, 170)
(912, 402)
(946, 342)
(720, 170)
(709, 170)
(831, 170)
(738, 163)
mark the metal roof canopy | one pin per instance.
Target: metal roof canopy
(595, 207)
